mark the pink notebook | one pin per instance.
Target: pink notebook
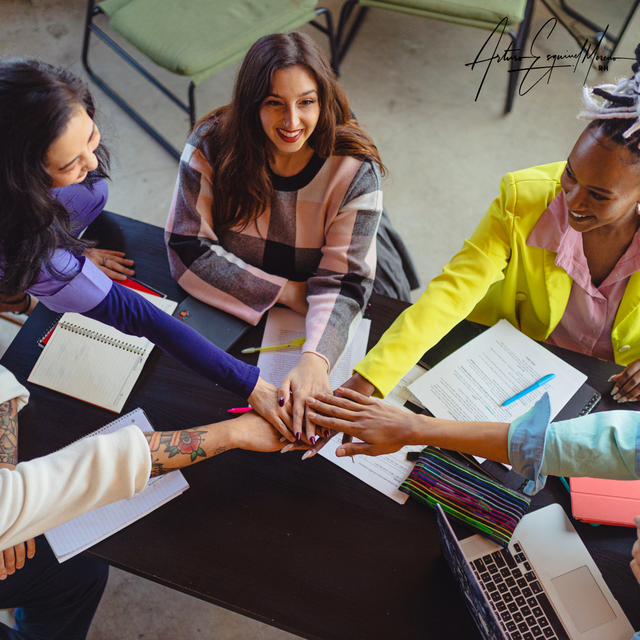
(605, 501)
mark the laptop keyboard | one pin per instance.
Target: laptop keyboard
(518, 598)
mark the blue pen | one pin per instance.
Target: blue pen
(534, 386)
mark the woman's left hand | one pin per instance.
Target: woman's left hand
(307, 379)
(113, 263)
(627, 383)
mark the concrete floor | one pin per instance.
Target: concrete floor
(407, 82)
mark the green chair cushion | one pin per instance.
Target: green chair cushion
(196, 38)
(485, 14)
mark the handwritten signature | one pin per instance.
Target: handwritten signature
(536, 68)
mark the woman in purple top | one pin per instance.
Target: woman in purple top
(52, 185)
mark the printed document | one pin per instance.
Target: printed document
(474, 381)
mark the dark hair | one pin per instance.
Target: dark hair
(241, 186)
(37, 100)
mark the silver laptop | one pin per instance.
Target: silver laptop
(544, 586)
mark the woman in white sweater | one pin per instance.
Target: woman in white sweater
(59, 600)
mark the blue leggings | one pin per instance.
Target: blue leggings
(52, 600)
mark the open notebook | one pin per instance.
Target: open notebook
(91, 361)
(79, 534)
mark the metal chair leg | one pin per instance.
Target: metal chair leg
(344, 41)
(519, 43)
(125, 106)
(330, 33)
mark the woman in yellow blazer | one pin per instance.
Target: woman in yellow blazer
(497, 274)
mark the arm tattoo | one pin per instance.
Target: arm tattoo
(177, 444)
(9, 433)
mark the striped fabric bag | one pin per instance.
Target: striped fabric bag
(466, 495)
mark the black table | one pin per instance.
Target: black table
(299, 545)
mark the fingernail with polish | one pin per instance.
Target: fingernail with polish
(616, 396)
(614, 391)
(298, 436)
(353, 459)
(312, 439)
(281, 402)
(326, 433)
(612, 377)
(308, 454)
(287, 448)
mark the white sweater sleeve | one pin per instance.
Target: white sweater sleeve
(10, 388)
(43, 493)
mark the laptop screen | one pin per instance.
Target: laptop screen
(471, 590)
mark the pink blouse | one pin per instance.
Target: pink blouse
(587, 322)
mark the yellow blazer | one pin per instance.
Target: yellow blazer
(496, 275)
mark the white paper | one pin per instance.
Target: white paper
(285, 325)
(474, 381)
(73, 537)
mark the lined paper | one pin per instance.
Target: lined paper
(73, 537)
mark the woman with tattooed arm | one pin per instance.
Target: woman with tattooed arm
(55, 600)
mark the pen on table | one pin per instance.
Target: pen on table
(533, 387)
(298, 342)
(239, 409)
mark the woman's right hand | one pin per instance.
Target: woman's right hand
(294, 296)
(381, 427)
(264, 399)
(356, 383)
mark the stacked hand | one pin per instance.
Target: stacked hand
(265, 400)
(307, 379)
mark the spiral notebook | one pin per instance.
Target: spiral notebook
(73, 537)
(93, 362)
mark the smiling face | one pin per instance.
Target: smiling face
(601, 183)
(71, 156)
(290, 112)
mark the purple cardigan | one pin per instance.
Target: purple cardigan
(91, 293)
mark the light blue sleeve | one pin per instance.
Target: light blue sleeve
(636, 636)
(526, 444)
(600, 445)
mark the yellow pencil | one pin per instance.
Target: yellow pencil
(298, 342)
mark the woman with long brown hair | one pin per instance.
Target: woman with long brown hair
(279, 200)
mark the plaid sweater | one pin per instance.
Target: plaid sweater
(320, 226)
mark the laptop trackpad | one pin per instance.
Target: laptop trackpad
(583, 600)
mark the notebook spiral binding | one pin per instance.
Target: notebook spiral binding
(102, 338)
